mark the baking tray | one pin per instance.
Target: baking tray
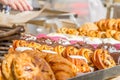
(104, 74)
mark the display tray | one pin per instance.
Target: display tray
(104, 74)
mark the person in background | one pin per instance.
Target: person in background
(21, 5)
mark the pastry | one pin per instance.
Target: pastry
(117, 35)
(87, 53)
(29, 68)
(92, 33)
(70, 50)
(88, 27)
(59, 49)
(100, 24)
(72, 31)
(45, 47)
(80, 63)
(62, 30)
(6, 66)
(68, 70)
(110, 33)
(1, 75)
(102, 59)
(23, 43)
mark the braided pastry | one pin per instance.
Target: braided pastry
(70, 50)
(100, 24)
(80, 63)
(101, 35)
(62, 68)
(92, 33)
(117, 35)
(88, 27)
(110, 33)
(23, 43)
(108, 24)
(87, 53)
(45, 47)
(1, 75)
(31, 68)
(62, 30)
(111, 22)
(82, 32)
(6, 66)
(72, 31)
(59, 49)
(102, 59)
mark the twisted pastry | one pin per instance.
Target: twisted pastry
(18, 43)
(45, 47)
(110, 33)
(101, 35)
(62, 68)
(62, 30)
(6, 66)
(23, 43)
(111, 22)
(80, 63)
(1, 75)
(88, 27)
(92, 33)
(72, 31)
(108, 24)
(82, 32)
(59, 49)
(70, 50)
(29, 68)
(117, 35)
(87, 53)
(100, 24)
(102, 59)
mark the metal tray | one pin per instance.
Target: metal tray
(104, 74)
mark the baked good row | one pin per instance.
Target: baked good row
(102, 25)
(35, 65)
(65, 40)
(64, 51)
(111, 24)
(105, 28)
(91, 33)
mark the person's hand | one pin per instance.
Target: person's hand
(21, 5)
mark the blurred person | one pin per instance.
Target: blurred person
(21, 5)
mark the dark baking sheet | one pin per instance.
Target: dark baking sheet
(100, 74)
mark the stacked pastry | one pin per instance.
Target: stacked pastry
(105, 28)
(36, 65)
(82, 57)
(111, 24)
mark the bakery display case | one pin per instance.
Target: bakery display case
(51, 44)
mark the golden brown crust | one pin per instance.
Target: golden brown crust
(70, 50)
(72, 31)
(6, 66)
(80, 64)
(87, 53)
(56, 61)
(59, 49)
(88, 27)
(117, 35)
(45, 47)
(102, 59)
(29, 68)
(62, 30)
